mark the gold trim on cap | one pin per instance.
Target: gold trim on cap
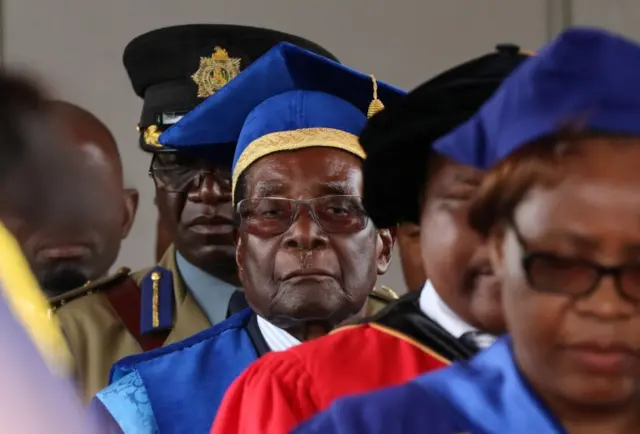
(294, 140)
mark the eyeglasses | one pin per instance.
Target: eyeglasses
(178, 173)
(576, 277)
(274, 215)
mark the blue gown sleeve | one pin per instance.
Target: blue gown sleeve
(128, 403)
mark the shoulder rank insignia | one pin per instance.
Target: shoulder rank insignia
(88, 288)
(215, 71)
(157, 300)
(384, 293)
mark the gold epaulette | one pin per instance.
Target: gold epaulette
(88, 288)
(384, 293)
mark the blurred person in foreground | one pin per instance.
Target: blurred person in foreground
(69, 253)
(561, 213)
(404, 182)
(37, 396)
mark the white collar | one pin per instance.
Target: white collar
(435, 308)
(276, 338)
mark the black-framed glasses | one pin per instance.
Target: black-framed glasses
(274, 215)
(179, 173)
(575, 277)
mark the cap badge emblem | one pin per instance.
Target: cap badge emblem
(215, 71)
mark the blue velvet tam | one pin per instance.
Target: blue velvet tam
(587, 79)
(288, 99)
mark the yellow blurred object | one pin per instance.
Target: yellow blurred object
(29, 305)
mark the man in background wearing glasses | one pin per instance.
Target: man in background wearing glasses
(307, 252)
(173, 69)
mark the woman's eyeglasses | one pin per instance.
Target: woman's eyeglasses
(575, 277)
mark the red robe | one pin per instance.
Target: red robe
(282, 389)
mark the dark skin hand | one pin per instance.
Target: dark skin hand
(348, 264)
(409, 249)
(199, 219)
(81, 246)
(581, 353)
(454, 254)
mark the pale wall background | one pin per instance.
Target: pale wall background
(75, 46)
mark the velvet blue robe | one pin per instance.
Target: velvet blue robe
(484, 396)
(178, 388)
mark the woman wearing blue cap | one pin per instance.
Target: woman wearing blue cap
(561, 210)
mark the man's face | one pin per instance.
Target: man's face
(80, 244)
(194, 201)
(311, 261)
(456, 256)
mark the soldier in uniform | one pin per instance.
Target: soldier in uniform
(308, 255)
(191, 287)
(82, 247)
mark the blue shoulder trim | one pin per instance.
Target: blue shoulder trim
(128, 364)
(157, 301)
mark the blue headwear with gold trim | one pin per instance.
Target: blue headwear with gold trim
(585, 77)
(288, 99)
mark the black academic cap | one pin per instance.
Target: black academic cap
(176, 68)
(398, 139)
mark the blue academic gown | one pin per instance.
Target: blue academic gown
(484, 396)
(178, 388)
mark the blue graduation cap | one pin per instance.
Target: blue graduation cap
(288, 99)
(585, 78)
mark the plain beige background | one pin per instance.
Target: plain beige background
(75, 47)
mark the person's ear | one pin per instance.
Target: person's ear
(385, 239)
(240, 257)
(131, 198)
(393, 231)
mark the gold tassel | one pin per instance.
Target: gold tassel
(376, 105)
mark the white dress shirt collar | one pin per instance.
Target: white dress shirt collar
(435, 308)
(276, 338)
